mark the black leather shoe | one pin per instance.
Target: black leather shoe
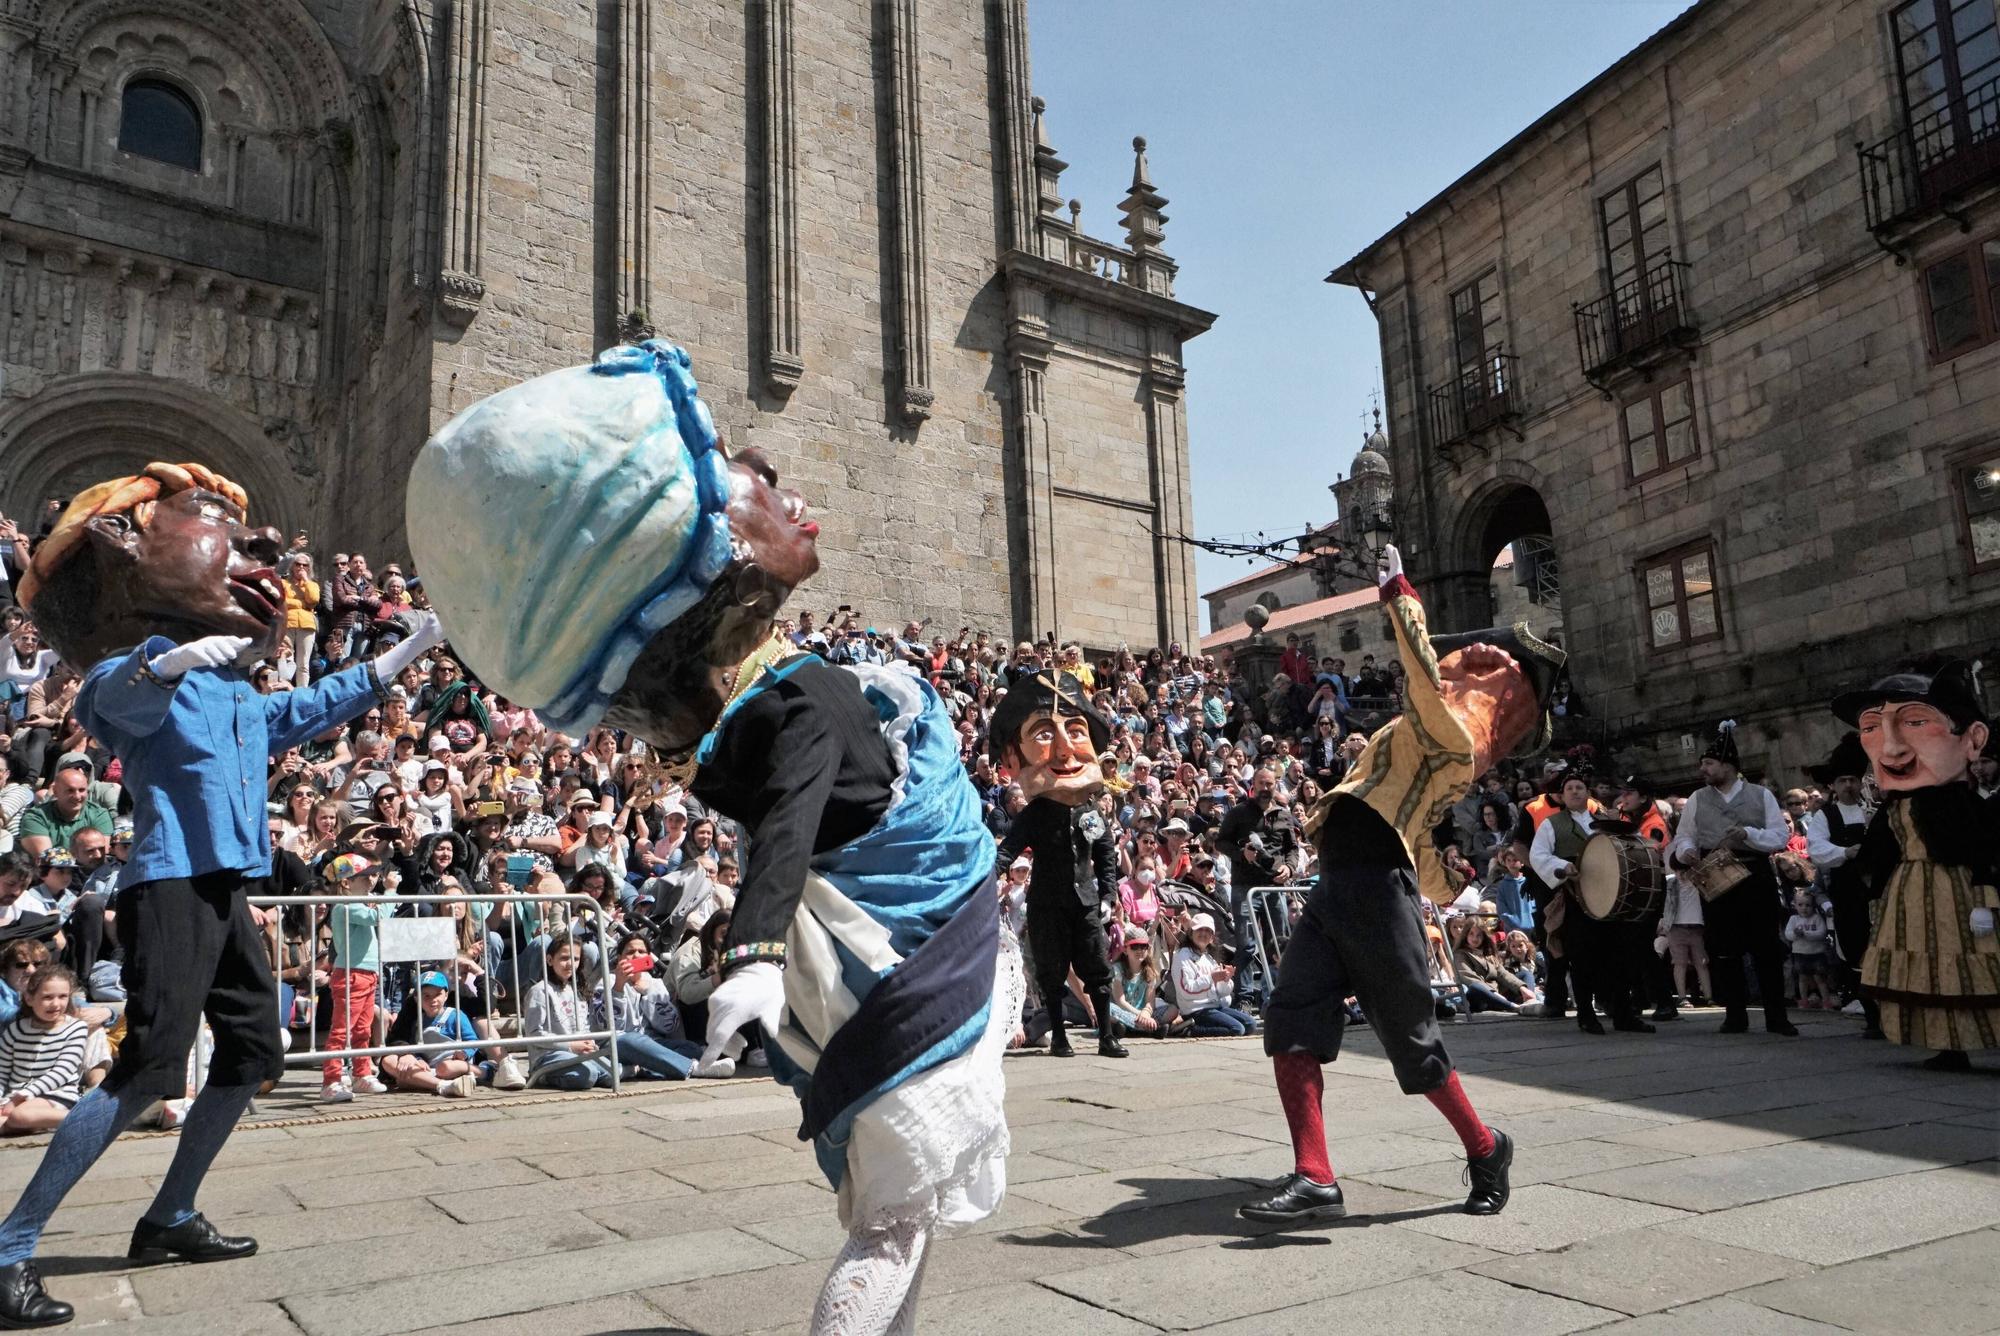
(1109, 1047)
(1587, 1022)
(191, 1241)
(1734, 1025)
(1059, 1046)
(24, 1304)
(1666, 1012)
(1948, 1060)
(1633, 1025)
(1298, 1201)
(1488, 1177)
(1785, 1028)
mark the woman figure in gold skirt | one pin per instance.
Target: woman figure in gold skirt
(1933, 964)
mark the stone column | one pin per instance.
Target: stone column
(460, 288)
(784, 357)
(1166, 438)
(635, 162)
(1028, 349)
(906, 120)
(1019, 116)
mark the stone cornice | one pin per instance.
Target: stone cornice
(1187, 321)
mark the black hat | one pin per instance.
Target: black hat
(1030, 694)
(1953, 690)
(1640, 785)
(1847, 758)
(1541, 661)
(1723, 746)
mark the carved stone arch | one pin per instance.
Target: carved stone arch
(1505, 503)
(86, 428)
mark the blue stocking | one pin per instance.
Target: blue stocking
(80, 1139)
(209, 1123)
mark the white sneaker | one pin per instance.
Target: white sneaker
(284, 1041)
(719, 1068)
(1529, 1009)
(1854, 1008)
(368, 1085)
(335, 1093)
(756, 1061)
(507, 1074)
(458, 1089)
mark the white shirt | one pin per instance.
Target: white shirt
(1542, 853)
(24, 675)
(1820, 847)
(1194, 981)
(1683, 904)
(1767, 837)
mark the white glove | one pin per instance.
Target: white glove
(424, 634)
(754, 992)
(1392, 565)
(1981, 922)
(208, 652)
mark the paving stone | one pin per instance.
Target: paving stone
(1058, 1132)
(1123, 1190)
(220, 1320)
(1542, 1127)
(1922, 1289)
(769, 1166)
(1541, 1164)
(1710, 1136)
(1642, 1270)
(302, 1271)
(1542, 1218)
(347, 1189)
(1724, 1317)
(1185, 1147)
(295, 1228)
(624, 1313)
(777, 1297)
(118, 1217)
(557, 1154)
(776, 1201)
(1181, 1290)
(1736, 1178)
(563, 1194)
(531, 1281)
(1438, 1304)
(1214, 1220)
(1018, 1307)
(1840, 1224)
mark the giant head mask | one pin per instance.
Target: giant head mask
(1499, 683)
(595, 555)
(1046, 732)
(1920, 729)
(167, 552)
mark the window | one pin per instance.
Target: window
(1634, 218)
(1948, 62)
(157, 120)
(1475, 321)
(1679, 588)
(1978, 481)
(1960, 299)
(1659, 429)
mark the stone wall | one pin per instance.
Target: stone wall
(1824, 425)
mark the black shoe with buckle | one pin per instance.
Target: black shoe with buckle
(1488, 1176)
(24, 1304)
(193, 1240)
(1733, 1023)
(1298, 1201)
(1781, 1026)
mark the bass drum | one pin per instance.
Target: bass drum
(1621, 878)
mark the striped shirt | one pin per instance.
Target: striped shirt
(42, 1063)
(1419, 763)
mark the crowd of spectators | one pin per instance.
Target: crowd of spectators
(446, 789)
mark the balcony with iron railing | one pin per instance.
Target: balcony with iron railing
(1480, 398)
(1927, 166)
(1638, 324)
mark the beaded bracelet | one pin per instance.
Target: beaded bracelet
(754, 951)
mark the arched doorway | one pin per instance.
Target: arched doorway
(87, 428)
(1507, 534)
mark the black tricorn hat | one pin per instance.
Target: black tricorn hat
(1030, 694)
(1953, 690)
(1846, 758)
(1541, 661)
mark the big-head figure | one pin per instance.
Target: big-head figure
(1048, 735)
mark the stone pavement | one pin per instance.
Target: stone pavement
(1664, 1186)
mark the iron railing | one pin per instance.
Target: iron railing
(1921, 166)
(1646, 314)
(1481, 396)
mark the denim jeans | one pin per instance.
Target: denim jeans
(670, 1058)
(1479, 997)
(1221, 1021)
(594, 1071)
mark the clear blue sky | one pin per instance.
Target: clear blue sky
(1287, 135)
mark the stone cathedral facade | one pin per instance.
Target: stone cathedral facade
(289, 238)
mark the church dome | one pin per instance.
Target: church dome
(1371, 459)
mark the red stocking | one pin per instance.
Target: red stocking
(1450, 1100)
(1300, 1087)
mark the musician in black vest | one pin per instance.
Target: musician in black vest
(1744, 820)
(1599, 951)
(1833, 840)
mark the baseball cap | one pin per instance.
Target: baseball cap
(1176, 826)
(1136, 935)
(434, 979)
(1200, 921)
(349, 865)
(76, 761)
(439, 742)
(122, 832)
(1023, 862)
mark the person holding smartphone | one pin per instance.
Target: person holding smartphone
(634, 1002)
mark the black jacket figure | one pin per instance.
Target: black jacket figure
(1048, 735)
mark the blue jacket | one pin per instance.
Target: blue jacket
(197, 751)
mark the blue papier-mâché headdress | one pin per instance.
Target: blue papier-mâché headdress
(562, 523)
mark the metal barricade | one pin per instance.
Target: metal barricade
(431, 942)
(1270, 911)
